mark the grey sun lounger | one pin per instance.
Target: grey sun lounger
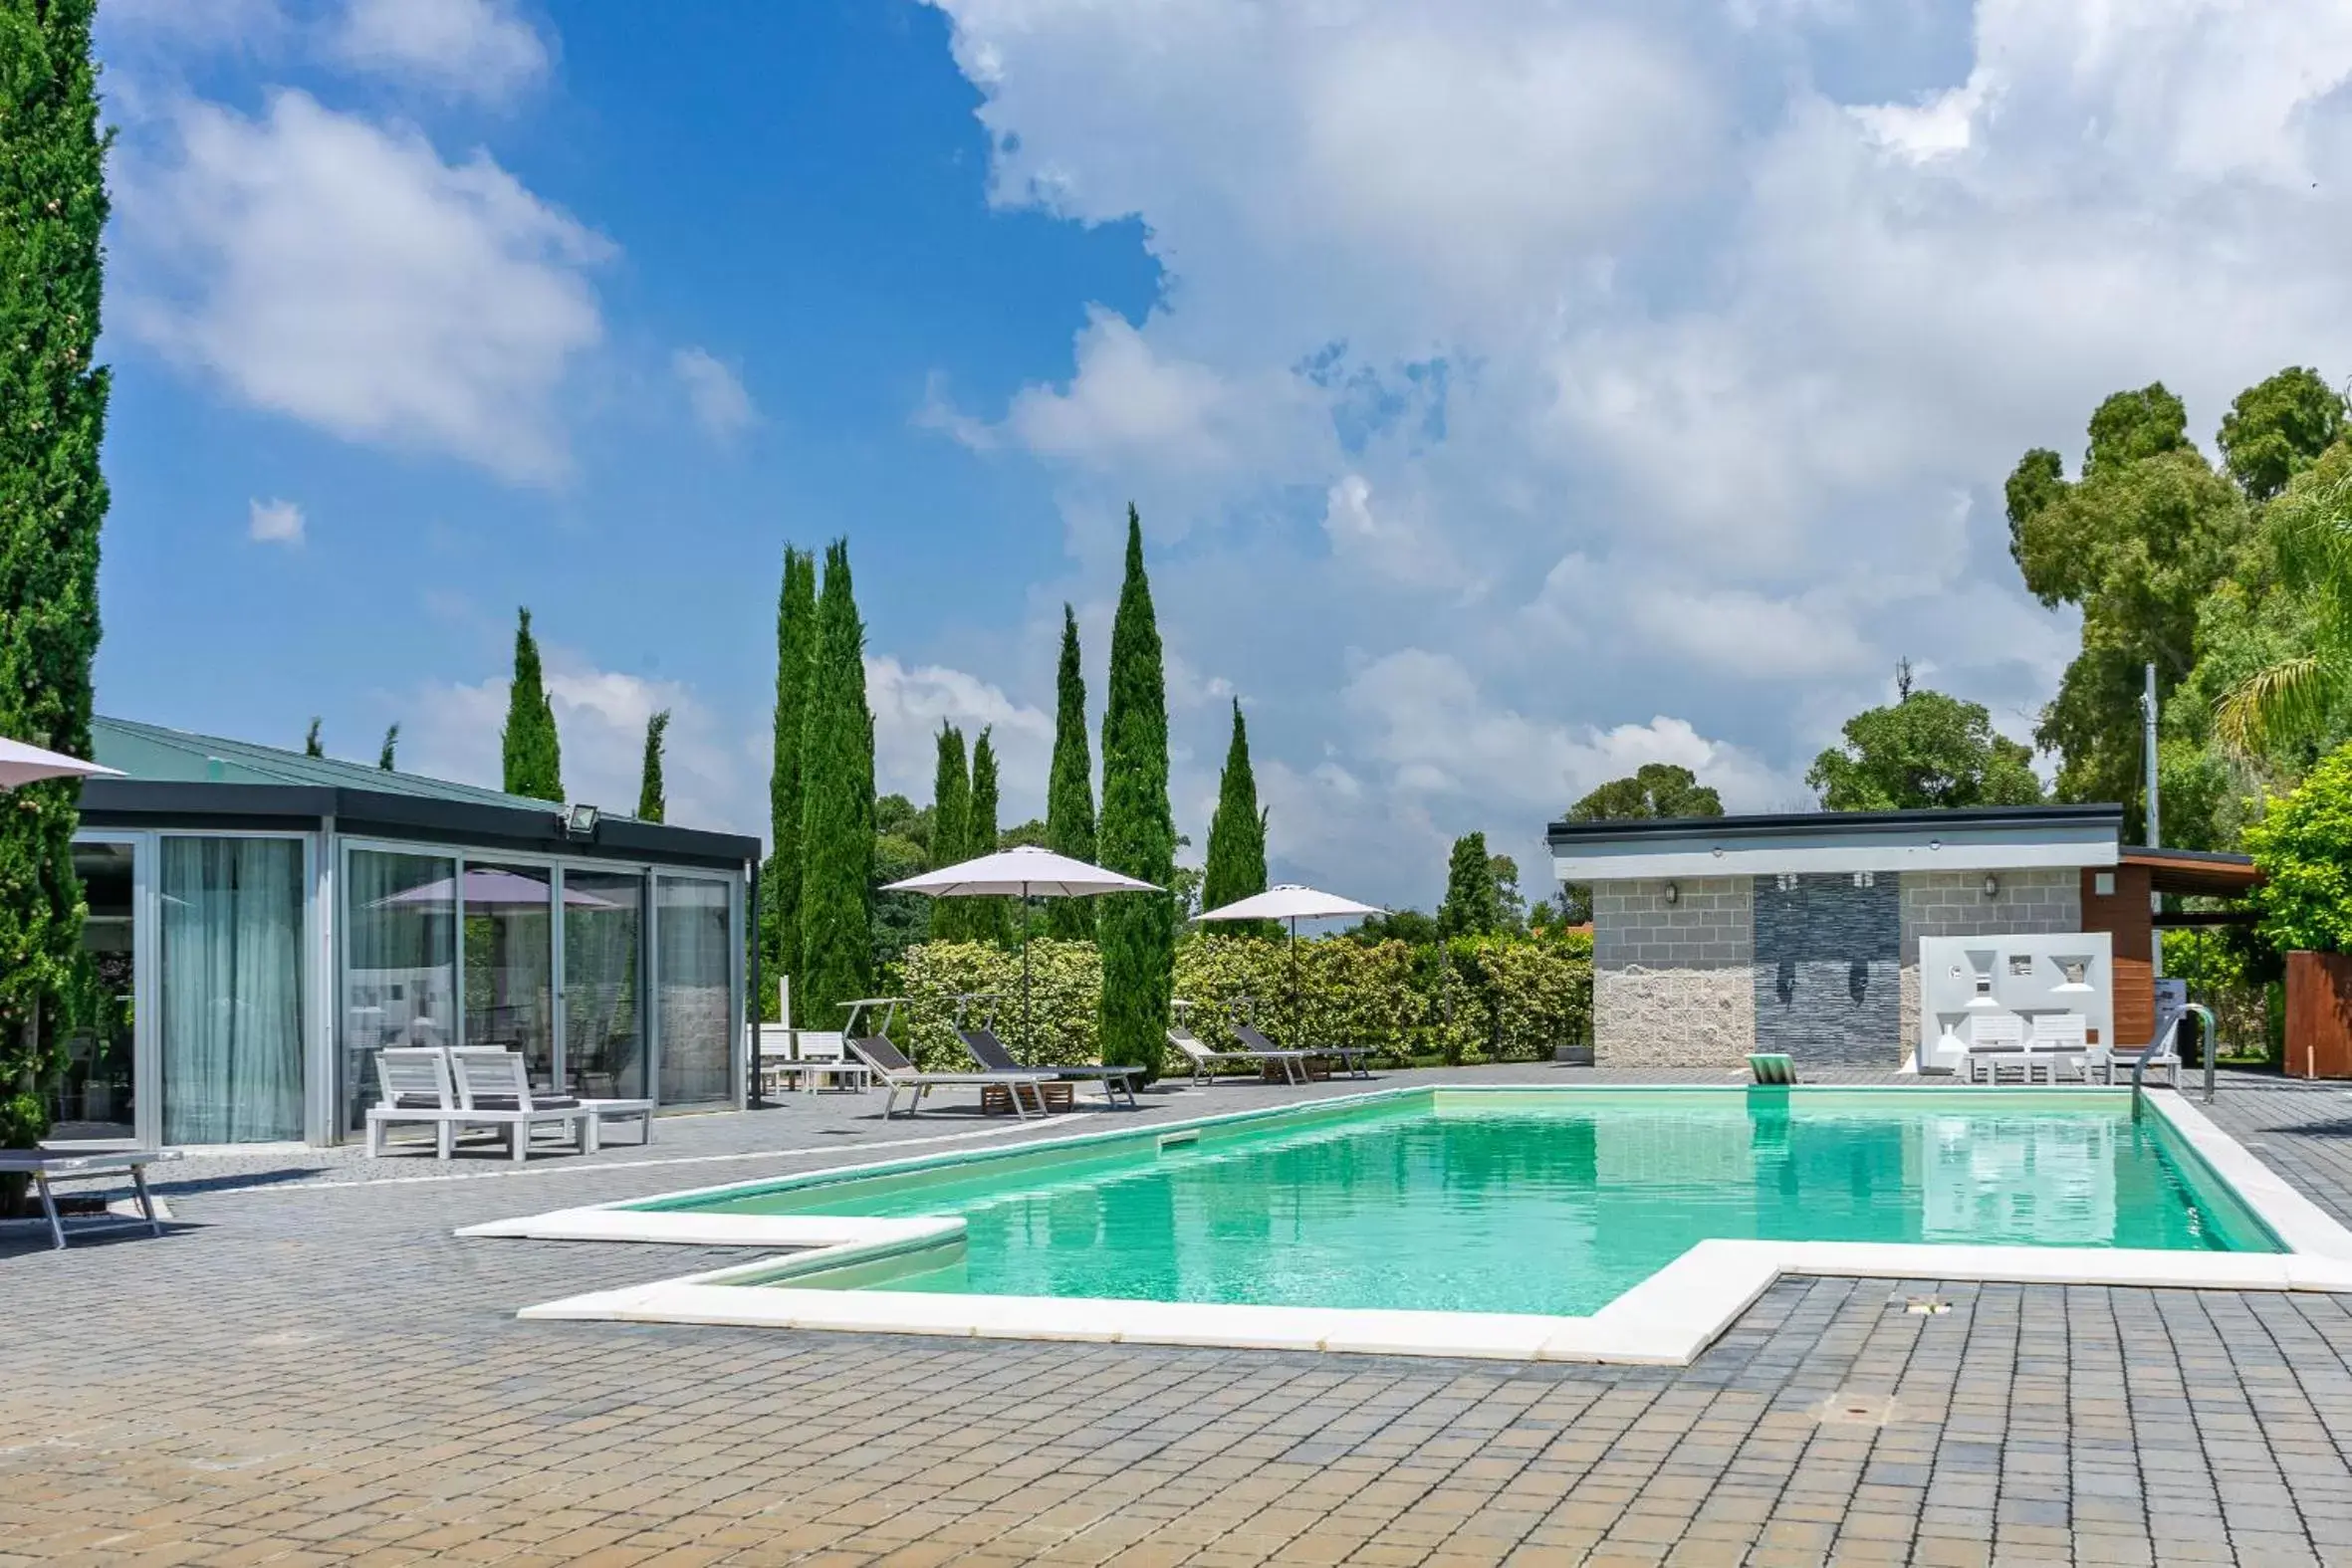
(993, 1058)
(897, 1072)
(1204, 1062)
(1348, 1058)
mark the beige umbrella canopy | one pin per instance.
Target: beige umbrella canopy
(1291, 903)
(1023, 873)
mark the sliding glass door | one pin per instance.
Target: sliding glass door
(399, 978)
(604, 996)
(694, 969)
(230, 918)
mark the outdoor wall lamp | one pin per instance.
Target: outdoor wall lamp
(1992, 885)
(579, 822)
(1672, 892)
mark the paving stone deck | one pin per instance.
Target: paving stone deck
(311, 1369)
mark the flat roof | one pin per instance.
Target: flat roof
(1775, 823)
(2207, 873)
(176, 778)
(1976, 838)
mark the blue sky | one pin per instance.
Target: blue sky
(1512, 393)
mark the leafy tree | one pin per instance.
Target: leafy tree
(796, 653)
(651, 801)
(2304, 849)
(1408, 926)
(1236, 864)
(1922, 752)
(1070, 793)
(311, 746)
(1654, 790)
(951, 829)
(391, 744)
(836, 807)
(992, 918)
(53, 499)
(1510, 905)
(2276, 430)
(534, 760)
(2138, 542)
(1034, 831)
(1137, 831)
(2303, 695)
(1474, 904)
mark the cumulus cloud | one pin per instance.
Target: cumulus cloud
(274, 523)
(1693, 378)
(465, 48)
(909, 704)
(341, 272)
(714, 392)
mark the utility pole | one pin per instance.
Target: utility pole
(2155, 818)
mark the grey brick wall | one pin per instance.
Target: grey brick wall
(1671, 982)
(1953, 904)
(1828, 977)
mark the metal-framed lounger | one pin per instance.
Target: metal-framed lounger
(1294, 1061)
(992, 1055)
(1204, 1060)
(45, 1166)
(890, 1064)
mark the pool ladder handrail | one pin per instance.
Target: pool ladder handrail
(2211, 1049)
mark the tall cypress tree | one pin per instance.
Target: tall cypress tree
(651, 799)
(951, 816)
(534, 758)
(992, 918)
(1473, 903)
(1236, 865)
(836, 808)
(1137, 833)
(796, 652)
(52, 497)
(391, 744)
(311, 746)
(1069, 795)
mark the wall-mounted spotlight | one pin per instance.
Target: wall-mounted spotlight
(579, 822)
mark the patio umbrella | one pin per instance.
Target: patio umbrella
(488, 888)
(1292, 903)
(23, 765)
(1023, 873)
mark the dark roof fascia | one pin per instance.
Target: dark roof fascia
(131, 803)
(2142, 854)
(1776, 825)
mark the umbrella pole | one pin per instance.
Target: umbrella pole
(1025, 974)
(1297, 1028)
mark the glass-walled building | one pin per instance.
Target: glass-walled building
(262, 922)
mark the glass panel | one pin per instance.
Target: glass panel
(399, 982)
(510, 964)
(603, 1005)
(693, 966)
(232, 989)
(94, 1098)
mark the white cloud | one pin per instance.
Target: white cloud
(465, 48)
(714, 392)
(340, 273)
(1393, 541)
(274, 523)
(909, 704)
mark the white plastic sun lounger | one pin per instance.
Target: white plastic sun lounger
(1995, 1040)
(993, 1058)
(889, 1064)
(494, 1089)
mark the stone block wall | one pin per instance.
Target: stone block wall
(1953, 904)
(1673, 982)
(1829, 987)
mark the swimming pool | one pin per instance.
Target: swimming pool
(1587, 1223)
(1528, 1202)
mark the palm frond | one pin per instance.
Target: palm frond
(2287, 701)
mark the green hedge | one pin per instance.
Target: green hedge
(1475, 999)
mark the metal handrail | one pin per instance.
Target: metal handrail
(2211, 1049)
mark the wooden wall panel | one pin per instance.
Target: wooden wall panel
(2319, 1015)
(2123, 914)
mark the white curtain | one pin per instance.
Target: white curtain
(232, 926)
(692, 969)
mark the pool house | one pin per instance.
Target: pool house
(1845, 938)
(261, 922)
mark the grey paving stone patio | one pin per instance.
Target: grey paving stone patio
(310, 1368)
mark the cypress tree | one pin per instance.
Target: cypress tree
(1473, 903)
(52, 498)
(951, 816)
(1069, 795)
(992, 918)
(534, 760)
(796, 652)
(650, 800)
(1137, 832)
(391, 744)
(1236, 864)
(311, 746)
(836, 807)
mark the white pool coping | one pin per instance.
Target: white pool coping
(1668, 1319)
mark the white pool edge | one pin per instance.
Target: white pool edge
(1668, 1319)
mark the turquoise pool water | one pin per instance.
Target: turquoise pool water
(1534, 1204)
